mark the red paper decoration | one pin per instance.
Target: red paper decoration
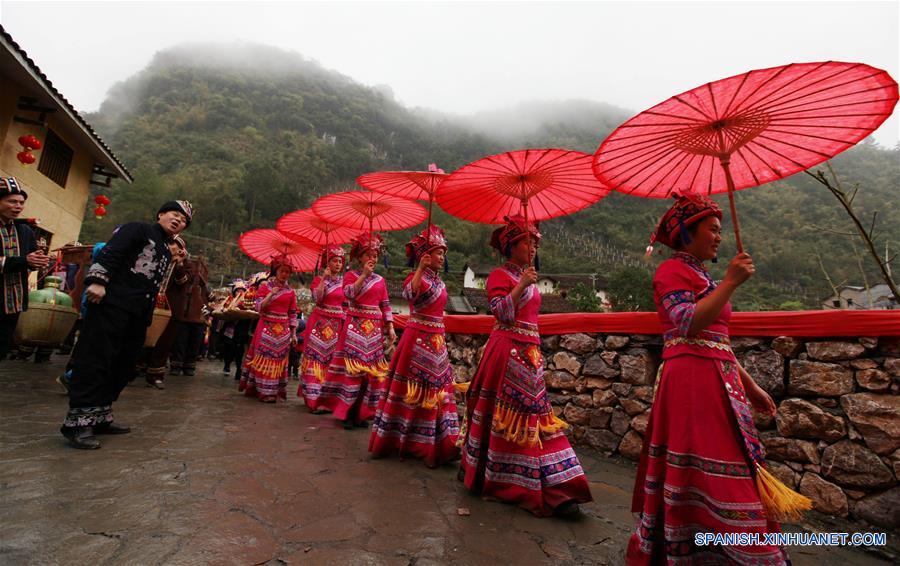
(102, 200)
(26, 157)
(30, 142)
(99, 212)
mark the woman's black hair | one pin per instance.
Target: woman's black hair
(686, 235)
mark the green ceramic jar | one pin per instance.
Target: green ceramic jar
(50, 294)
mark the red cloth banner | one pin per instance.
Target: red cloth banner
(822, 323)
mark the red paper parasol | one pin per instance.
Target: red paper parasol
(543, 182)
(540, 183)
(364, 210)
(263, 244)
(412, 185)
(746, 130)
(306, 225)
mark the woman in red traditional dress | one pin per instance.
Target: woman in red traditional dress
(417, 416)
(323, 327)
(701, 465)
(355, 377)
(514, 449)
(264, 373)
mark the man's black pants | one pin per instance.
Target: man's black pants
(7, 331)
(103, 362)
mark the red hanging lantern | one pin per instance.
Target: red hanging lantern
(102, 200)
(99, 212)
(30, 142)
(26, 157)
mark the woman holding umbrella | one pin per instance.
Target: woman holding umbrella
(417, 414)
(264, 374)
(354, 379)
(701, 442)
(323, 328)
(514, 447)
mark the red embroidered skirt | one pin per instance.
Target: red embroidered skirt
(537, 476)
(417, 416)
(355, 378)
(264, 370)
(694, 474)
(319, 345)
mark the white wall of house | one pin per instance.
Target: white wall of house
(473, 281)
(546, 285)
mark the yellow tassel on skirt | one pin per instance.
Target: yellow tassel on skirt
(462, 387)
(273, 369)
(525, 428)
(781, 502)
(317, 369)
(378, 370)
(420, 395)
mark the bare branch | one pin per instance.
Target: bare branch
(859, 264)
(831, 284)
(867, 236)
(872, 225)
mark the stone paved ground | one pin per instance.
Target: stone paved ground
(209, 476)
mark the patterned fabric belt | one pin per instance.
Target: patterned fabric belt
(275, 316)
(715, 344)
(435, 322)
(329, 310)
(363, 310)
(522, 328)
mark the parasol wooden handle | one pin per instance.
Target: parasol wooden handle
(725, 161)
(734, 215)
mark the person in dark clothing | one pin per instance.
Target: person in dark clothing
(20, 255)
(297, 349)
(234, 334)
(187, 313)
(122, 286)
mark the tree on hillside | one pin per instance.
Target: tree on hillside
(631, 289)
(584, 299)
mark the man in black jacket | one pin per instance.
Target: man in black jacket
(121, 292)
(20, 254)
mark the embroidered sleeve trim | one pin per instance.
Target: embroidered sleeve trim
(429, 295)
(98, 274)
(349, 289)
(385, 306)
(680, 307)
(408, 293)
(503, 309)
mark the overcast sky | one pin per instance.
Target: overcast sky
(463, 57)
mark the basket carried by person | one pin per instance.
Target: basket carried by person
(161, 317)
(49, 318)
(240, 307)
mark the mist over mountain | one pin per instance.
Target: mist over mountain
(249, 132)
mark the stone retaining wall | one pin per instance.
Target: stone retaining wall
(835, 438)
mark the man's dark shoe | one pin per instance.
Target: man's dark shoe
(175, 371)
(111, 428)
(81, 437)
(157, 383)
(189, 372)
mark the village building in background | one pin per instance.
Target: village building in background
(554, 288)
(72, 156)
(856, 297)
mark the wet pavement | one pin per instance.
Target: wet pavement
(210, 477)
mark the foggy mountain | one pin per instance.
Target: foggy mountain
(249, 132)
